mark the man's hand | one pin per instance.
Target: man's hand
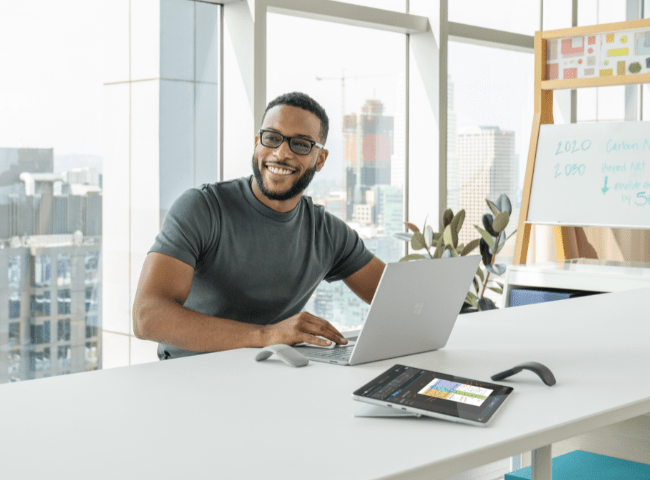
(302, 327)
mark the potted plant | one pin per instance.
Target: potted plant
(445, 244)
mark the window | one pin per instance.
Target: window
(489, 123)
(517, 16)
(362, 87)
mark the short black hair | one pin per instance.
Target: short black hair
(304, 101)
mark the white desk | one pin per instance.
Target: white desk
(224, 416)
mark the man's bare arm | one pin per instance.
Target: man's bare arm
(159, 315)
(364, 282)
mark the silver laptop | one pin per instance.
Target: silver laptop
(414, 309)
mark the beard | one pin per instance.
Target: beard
(299, 186)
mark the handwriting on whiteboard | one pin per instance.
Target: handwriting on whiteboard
(592, 174)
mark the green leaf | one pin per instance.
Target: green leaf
(440, 246)
(447, 217)
(469, 247)
(457, 221)
(476, 284)
(501, 222)
(496, 289)
(450, 236)
(480, 273)
(417, 242)
(493, 207)
(500, 284)
(428, 236)
(412, 256)
(511, 235)
(486, 236)
(471, 299)
(454, 252)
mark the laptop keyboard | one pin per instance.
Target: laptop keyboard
(339, 353)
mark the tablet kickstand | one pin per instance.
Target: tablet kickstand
(379, 411)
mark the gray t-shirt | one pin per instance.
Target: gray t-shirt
(251, 263)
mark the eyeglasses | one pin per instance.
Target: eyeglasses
(298, 145)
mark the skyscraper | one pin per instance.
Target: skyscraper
(487, 168)
(50, 245)
(367, 150)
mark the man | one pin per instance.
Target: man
(236, 262)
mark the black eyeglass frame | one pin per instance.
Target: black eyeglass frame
(288, 140)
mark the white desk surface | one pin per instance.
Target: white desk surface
(225, 416)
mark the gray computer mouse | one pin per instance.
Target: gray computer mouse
(287, 354)
(541, 370)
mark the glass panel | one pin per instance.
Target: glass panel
(64, 269)
(63, 330)
(593, 12)
(557, 14)
(14, 272)
(361, 85)
(490, 118)
(42, 271)
(518, 16)
(14, 305)
(40, 304)
(64, 300)
(64, 356)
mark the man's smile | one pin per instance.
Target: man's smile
(279, 169)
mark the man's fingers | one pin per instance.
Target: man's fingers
(318, 326)
(314, 340)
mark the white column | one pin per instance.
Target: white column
(160, 137)
(427, 176)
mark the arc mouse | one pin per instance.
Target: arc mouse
(287, 354)
(541, 370)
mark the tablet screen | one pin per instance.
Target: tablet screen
(436, 392)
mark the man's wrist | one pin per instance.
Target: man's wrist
(260, 336)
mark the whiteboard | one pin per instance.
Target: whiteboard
(592, 174)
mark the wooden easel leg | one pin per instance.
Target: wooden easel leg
(521, 244)
(562, 242)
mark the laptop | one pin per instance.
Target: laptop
(414, 310)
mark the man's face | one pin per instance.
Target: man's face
(280, 173)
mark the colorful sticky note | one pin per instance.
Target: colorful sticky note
(635, 67)
(607, 72)
(623, 39)
(589, 71)
(647, 62)
(610, 38)
(570, 73)
(552, 70)
(591, 61)
(592, 40)
(568, 50)
(620, 68)
(618, 52)
(591, 50)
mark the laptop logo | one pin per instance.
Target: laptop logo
(417, 310)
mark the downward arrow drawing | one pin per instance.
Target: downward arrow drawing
(604, 189)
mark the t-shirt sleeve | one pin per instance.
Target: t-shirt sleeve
(187, 228)
(350, 254)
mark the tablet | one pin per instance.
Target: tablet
(435, 394)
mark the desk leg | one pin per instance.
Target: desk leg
(541, 463)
